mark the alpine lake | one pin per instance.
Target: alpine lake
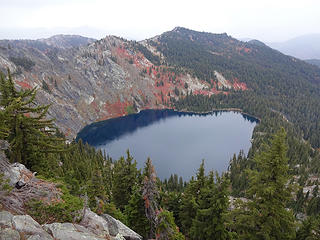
(175, 141)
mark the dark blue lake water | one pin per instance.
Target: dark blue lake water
(175, 141)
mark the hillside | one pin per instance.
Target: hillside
(275, 81)
(107, 78)
(303, 47)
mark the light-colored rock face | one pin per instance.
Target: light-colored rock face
(18, 172)
(116, 227)
(5, 219)
(26, 224)
(68, 231)
(9, 234)
(93, 227)
(95, 223)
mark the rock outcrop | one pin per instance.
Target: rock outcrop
(25, 227)
(91, 226)
(25, 186)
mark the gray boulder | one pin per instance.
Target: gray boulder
(18, 173)
(116, 227)
(6, 219)
(95, 223)
(39, 237)
(69, 231)
(26, 224)
(9, 234)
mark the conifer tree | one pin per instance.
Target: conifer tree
(30, 134)
(265, 216)
(135, 212)
(189, 203)
(166, 227)
(125, 176)
(210, 220)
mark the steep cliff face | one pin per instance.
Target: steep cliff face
(87, 81)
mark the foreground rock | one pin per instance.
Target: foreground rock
(92, 227)
(118, 228)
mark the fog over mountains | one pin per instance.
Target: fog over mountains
(303, 47)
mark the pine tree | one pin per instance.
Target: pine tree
(125, 176)
(135, 212)
(210, 220)
(189, 203)
(30, 134)
(265, 216)
(166, 227)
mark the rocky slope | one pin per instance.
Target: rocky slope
(19, 186)
(89, 81)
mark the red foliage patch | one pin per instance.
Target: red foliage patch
(24, 84)
(237, 85)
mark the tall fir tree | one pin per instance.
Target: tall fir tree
(135, 212)
(125, 176)
(213, 203)
(189, 203)
(265, 215)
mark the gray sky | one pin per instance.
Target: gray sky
(266, 20)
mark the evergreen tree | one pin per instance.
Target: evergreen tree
(166, 228)
(125, 176)
(30, 134)
(265, 216)
(210, 220)
(189, 203)
(135, 212)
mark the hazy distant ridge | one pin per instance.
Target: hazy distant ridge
(303, 47)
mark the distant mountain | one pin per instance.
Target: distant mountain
(303, 47)
(67, 41)
(87, 82)
(313, 61)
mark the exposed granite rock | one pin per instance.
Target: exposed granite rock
(68, 231)
(18, 173)
(39, 237)
(26, 224)
(116, 227)
(5, 219)
(30, 187)
(9, 234)
(95, 223)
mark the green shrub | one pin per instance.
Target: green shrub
(67, 210)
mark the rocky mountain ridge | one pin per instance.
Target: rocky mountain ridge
(107, 78)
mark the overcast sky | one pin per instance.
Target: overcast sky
(266, 20)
